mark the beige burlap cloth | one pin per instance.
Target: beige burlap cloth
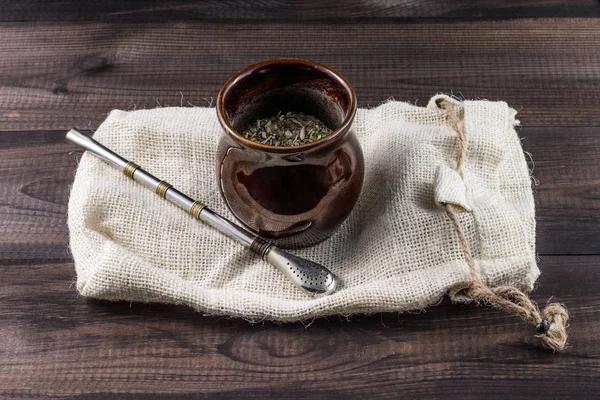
(397, 251)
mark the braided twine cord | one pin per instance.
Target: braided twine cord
(551, 322)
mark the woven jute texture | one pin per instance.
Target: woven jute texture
(397, 251)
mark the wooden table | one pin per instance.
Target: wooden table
(68, 63)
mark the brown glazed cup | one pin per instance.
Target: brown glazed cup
(298, 195)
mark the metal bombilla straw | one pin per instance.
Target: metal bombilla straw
(307, 275)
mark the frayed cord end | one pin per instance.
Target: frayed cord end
(553, 326)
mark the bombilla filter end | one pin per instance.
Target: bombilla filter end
(307, 275)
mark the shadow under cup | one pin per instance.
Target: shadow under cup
(297, 195)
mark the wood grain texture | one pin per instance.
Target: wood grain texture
(36, 171)
(56, 344)
(55, 76)
(68, 63)
(567, 166)
(37, 168)
(290, 10)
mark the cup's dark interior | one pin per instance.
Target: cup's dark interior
(266, 90)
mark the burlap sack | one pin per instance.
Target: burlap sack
(397, 251)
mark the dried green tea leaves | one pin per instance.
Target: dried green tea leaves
(289, 129)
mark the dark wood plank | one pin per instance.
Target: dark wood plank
(36, 171)
(289, 10)
(57, 344)
(567, 166)
(37, 168)
(54, 76)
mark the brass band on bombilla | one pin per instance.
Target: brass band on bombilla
(307, 275)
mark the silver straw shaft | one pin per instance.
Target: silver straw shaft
(227, 227)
